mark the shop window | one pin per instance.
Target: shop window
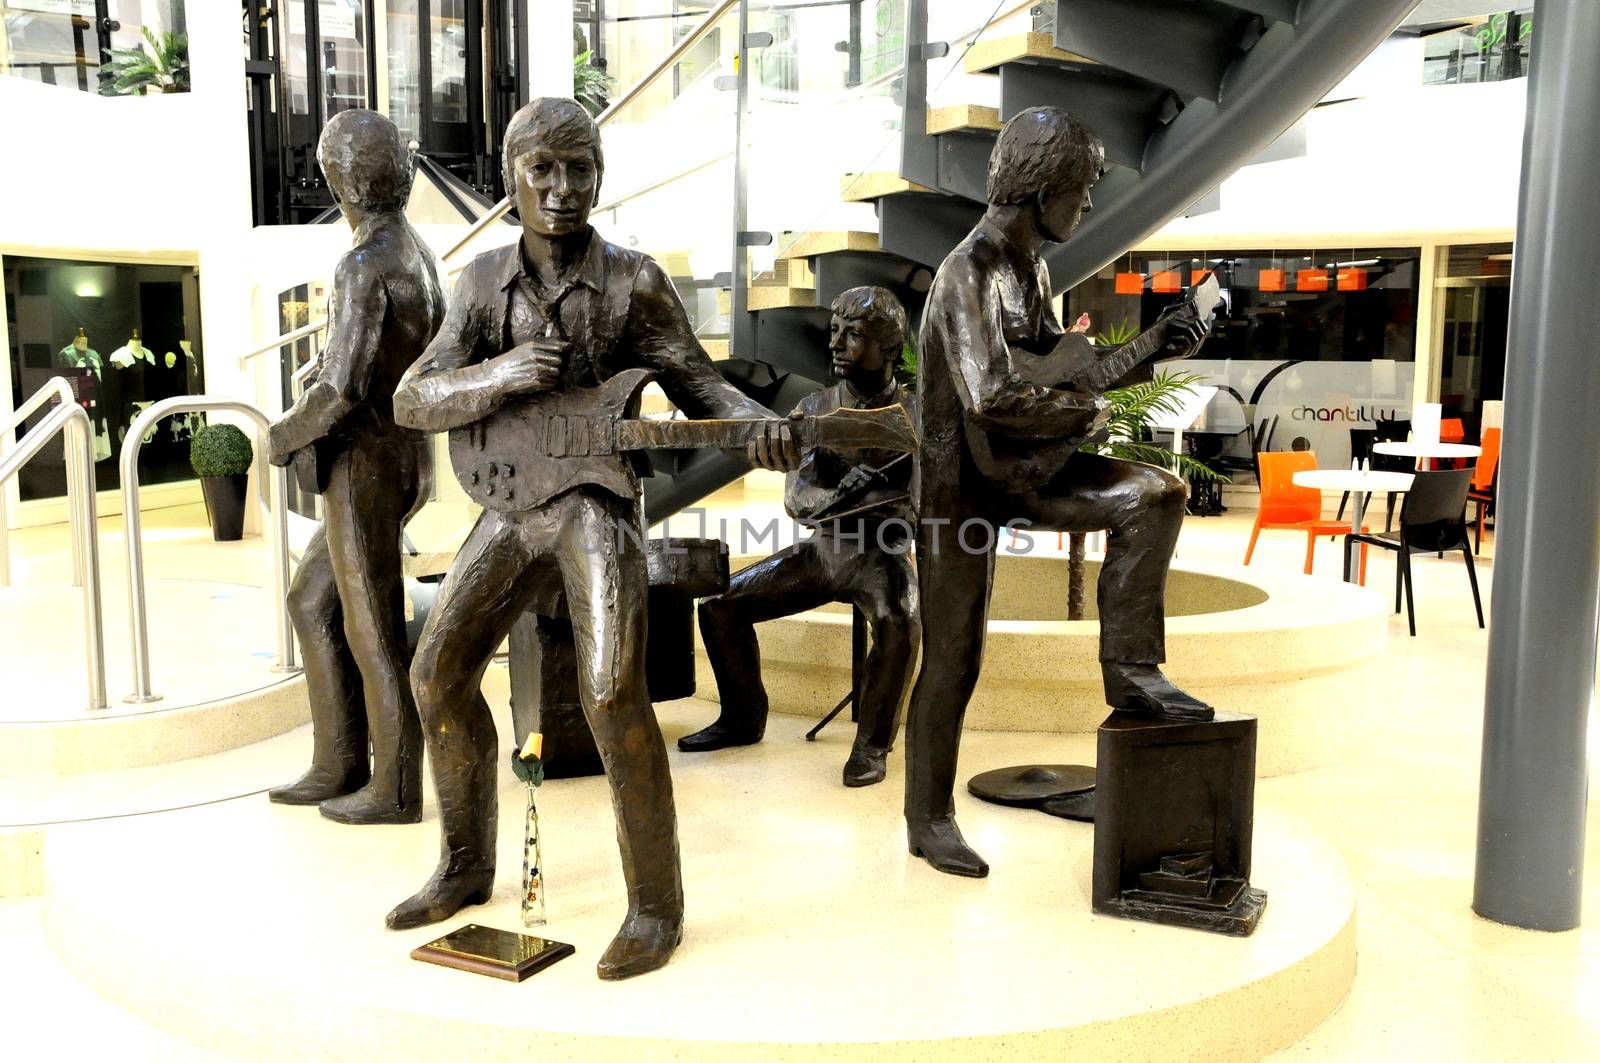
(1473, 299)
(1323, 342)
(1488, 48)
(97, 45)
(124, 336)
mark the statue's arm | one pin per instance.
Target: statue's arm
(448, 386)
(345, 368)
(663, 341)
(995, 397)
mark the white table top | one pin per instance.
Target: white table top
(1414, 449)
(1364, 481)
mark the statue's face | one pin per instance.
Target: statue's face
(856, 353)
(555, 189)
(1060, 209)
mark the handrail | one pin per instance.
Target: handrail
(131, 445)
(58, 388)
(69, 417)
(300, 333)
(631, 93)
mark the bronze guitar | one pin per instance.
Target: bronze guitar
(1073, 366)
(538, 446)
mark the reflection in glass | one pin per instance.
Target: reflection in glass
(124, 336)
(342, 27)
(58, 42)
(449, 53)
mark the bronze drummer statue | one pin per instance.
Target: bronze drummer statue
(541, 337)
(857, 502)
(1005, 400)
(347, 597)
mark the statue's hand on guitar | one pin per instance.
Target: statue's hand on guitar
(773, 446)
(1186, 329)
(534, 366)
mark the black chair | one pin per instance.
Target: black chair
(1361, 440)
(1433, 519)
(1391, 432)
(1258, 437)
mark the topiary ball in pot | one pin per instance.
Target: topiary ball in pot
(221, 455)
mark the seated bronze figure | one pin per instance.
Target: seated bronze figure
(857, 502)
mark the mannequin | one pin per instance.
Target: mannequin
(79, 355)
(133, 351)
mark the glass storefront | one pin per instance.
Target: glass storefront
(1494, 48)
(69, 43)
(124, 336)
(1473, 301)
(1305, 347)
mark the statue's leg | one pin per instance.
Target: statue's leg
(607, 584)
(1141, 509)
(954, 585)
(368, 497)
(482, 596)
(885, 591)
(339, 762)
(790, 581)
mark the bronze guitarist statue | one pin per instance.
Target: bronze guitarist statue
(346, 600)
(857, 502)
(546, 344)
(1005, 399)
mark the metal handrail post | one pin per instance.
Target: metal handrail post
(71, 419)
(131, 445)
(60, 389)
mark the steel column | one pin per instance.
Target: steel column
(1541, 676)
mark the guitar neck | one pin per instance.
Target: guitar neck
(1115, 366)
(726, 434)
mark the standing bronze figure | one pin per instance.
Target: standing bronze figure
(1005, 399)
(857, 502)
(533, 330)
(347, 597)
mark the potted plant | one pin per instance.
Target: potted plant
(135, 72)
(221, 455)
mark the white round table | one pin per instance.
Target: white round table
(1423, 451)
(1360, 484)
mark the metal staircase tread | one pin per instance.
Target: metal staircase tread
(965, 116)
(865, 187)
(987, 56)
(807, 245)
(774, 297)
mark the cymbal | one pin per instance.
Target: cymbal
(1027, 785)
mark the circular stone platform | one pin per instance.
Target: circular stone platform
(257, 930)
(1284, 647)
(212, 652)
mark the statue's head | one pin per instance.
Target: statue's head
(1047, 159)
(367, 164)
(866, 333)
(553, 165)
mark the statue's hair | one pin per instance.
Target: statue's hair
(366, 162)
(1043, 149)
(879, 308)
(553, 120)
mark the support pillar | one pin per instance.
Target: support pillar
(1541, 675)
(549, 31)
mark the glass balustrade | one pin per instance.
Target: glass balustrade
(97, 45)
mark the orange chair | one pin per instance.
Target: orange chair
(1451, 430)
(1283, 505)
(1485, 478)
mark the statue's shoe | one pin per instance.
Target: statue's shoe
(1141, 688)
(645, 942)
(940, 843)
(369, 805)
(865, 766)
(319, 785)
(445, 894)
(719, 736)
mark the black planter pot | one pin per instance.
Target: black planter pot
(224, 497)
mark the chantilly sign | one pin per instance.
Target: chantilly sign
(1355, 414)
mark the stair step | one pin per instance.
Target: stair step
(987, 56)
(1185, 44)
(1277, 10)
(963, 116)
(1123, 110)
(809, 244)
(717, 348)
(866, 187)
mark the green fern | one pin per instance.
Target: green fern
(1132, 410)
(133, 71)
(590, 84)
(1118, 334)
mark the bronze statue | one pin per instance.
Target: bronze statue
(1005, 400)
(347, 597)
(858, 504)
(535, 331)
